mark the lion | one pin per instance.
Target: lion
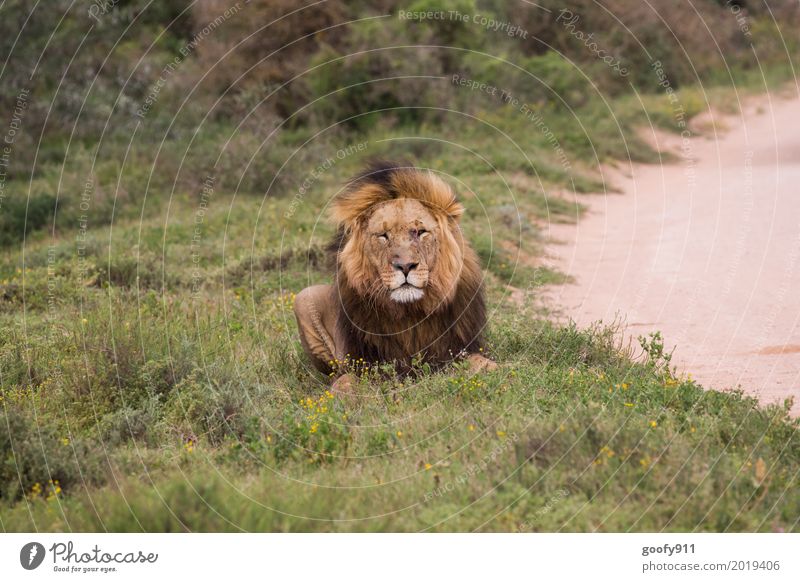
(408, 287)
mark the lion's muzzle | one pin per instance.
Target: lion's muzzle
(407, 280)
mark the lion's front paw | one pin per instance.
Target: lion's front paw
(343, 385)
(478, 363)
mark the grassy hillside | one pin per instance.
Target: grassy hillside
(152, 378)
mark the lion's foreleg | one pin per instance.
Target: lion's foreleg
(316, 321)
(479, 363)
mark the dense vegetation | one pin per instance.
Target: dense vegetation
(162, 196)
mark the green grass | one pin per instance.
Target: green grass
(569, 434)
(152, 377)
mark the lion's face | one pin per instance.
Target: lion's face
(402, 246)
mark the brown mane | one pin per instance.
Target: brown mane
(449, 322)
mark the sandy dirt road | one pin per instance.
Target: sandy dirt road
(705, 249)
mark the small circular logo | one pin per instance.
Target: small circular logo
(31, 555)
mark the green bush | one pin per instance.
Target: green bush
(20, 218)
(37, 462)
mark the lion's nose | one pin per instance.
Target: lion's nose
(405, 267)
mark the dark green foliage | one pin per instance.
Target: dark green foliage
(19, 218)
(37, 461)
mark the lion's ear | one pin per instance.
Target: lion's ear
(452, 208)
(429, 188)
(455, 210)
(353, 203)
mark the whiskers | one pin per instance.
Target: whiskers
(374, 292)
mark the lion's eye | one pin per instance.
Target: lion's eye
(383, 237)
(421, 232)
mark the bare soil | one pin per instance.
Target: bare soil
(704, 248)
